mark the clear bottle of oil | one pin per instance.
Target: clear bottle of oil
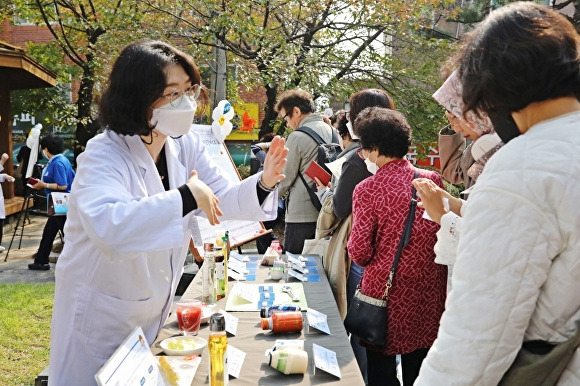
(208, 288)
(217, 345)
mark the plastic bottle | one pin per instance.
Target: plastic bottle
(217, 346)
(266, 312)
(221, 267)
(208, 289)
(275, 245)
(289, 361)
(281, 322)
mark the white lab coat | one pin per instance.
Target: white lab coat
(125, 244)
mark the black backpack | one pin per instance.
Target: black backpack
(327, 152)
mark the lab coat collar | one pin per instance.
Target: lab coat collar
(142, 158)
(176, 170)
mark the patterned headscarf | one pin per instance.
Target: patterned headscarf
(449, 96)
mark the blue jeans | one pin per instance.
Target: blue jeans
(360, 352)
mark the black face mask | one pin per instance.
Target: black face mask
(504, 125)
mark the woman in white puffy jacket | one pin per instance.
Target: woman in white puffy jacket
(517, 275)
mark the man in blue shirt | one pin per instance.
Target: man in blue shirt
(57, 176)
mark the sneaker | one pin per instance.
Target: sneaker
(38, 267)
(2, 249)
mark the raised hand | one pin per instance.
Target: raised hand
(206, 200)
(274, 162)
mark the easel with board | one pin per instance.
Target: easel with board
(240, 232)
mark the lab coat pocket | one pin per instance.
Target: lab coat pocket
(110, 320)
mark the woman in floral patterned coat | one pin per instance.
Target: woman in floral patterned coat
(380, 208)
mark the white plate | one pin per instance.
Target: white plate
(183, 345)
(206, 314)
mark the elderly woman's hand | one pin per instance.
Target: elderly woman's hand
(274, 163)
(431, 198)
(205, 199)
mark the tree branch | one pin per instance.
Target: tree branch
(68, 50)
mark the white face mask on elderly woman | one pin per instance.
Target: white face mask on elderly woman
(371, 166)
(174, 121)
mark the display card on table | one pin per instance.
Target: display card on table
(325, 360)
(317, 320)
(131, 364)
(231, 322)
(235, 361)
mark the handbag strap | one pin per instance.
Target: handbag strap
(405, 237)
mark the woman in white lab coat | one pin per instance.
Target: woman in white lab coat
(132, 209)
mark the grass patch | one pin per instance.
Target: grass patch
(25, 313)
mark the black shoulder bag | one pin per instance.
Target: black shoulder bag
(367, 317)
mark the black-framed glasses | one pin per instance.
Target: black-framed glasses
(192, 93)
(285, 116)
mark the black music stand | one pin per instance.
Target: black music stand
(29, 194)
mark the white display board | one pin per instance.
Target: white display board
(240, 231)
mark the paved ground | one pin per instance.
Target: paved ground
(15, 270)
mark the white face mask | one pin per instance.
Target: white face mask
(371, 166)
(351, 131)
(44, 155)
(174, 121)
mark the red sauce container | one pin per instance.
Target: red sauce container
(282, 322)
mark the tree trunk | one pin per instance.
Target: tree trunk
(86, 127)
(270, 114)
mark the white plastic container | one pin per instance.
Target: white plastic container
(289, 361)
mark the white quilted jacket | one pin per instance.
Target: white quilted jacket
(517, 275)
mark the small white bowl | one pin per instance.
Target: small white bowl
(183, 345)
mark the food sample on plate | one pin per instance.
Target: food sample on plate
(168, 372)
(183, 345)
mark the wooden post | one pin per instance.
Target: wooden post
(6, 132)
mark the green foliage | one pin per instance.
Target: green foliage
(53, 105)
(87, 35)
(454, 190)
(25, 312)
(244, 171)
(232, 89)
(476, 10)
(332, 48)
